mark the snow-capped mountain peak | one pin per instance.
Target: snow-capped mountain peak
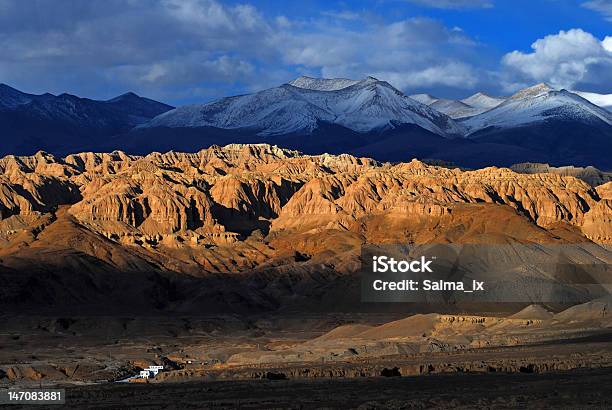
(370, 79)
(454, 109)
(426, 99)
(539, 104)
(299, 107)
(533, 91)
(482, 100)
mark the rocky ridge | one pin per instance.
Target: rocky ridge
(222, 195)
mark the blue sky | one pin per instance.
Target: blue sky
(189, 51)
(504, 24)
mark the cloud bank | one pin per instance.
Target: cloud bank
(569, 59)
(197, 50)
(169, 48)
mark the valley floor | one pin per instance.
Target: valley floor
(584, 388)
(238, 363)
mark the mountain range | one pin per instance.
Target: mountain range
(300, 106)
(366, 117)
(61, 123)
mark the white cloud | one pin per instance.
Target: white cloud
(343, 15)
(452, 74)
(454, 4)
(188, 70)
(607, 43)
(604, 7)
(409, 53)
(569, 59)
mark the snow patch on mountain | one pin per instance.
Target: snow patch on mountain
(602, 100)
(322, 84)
(455, 109)
(459, 109)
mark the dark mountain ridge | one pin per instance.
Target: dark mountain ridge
(60, 123)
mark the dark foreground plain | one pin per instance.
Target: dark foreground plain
(584, 388)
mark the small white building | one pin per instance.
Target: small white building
(150, 372)
(155, 369)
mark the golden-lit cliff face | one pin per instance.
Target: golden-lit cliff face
(240, 207)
